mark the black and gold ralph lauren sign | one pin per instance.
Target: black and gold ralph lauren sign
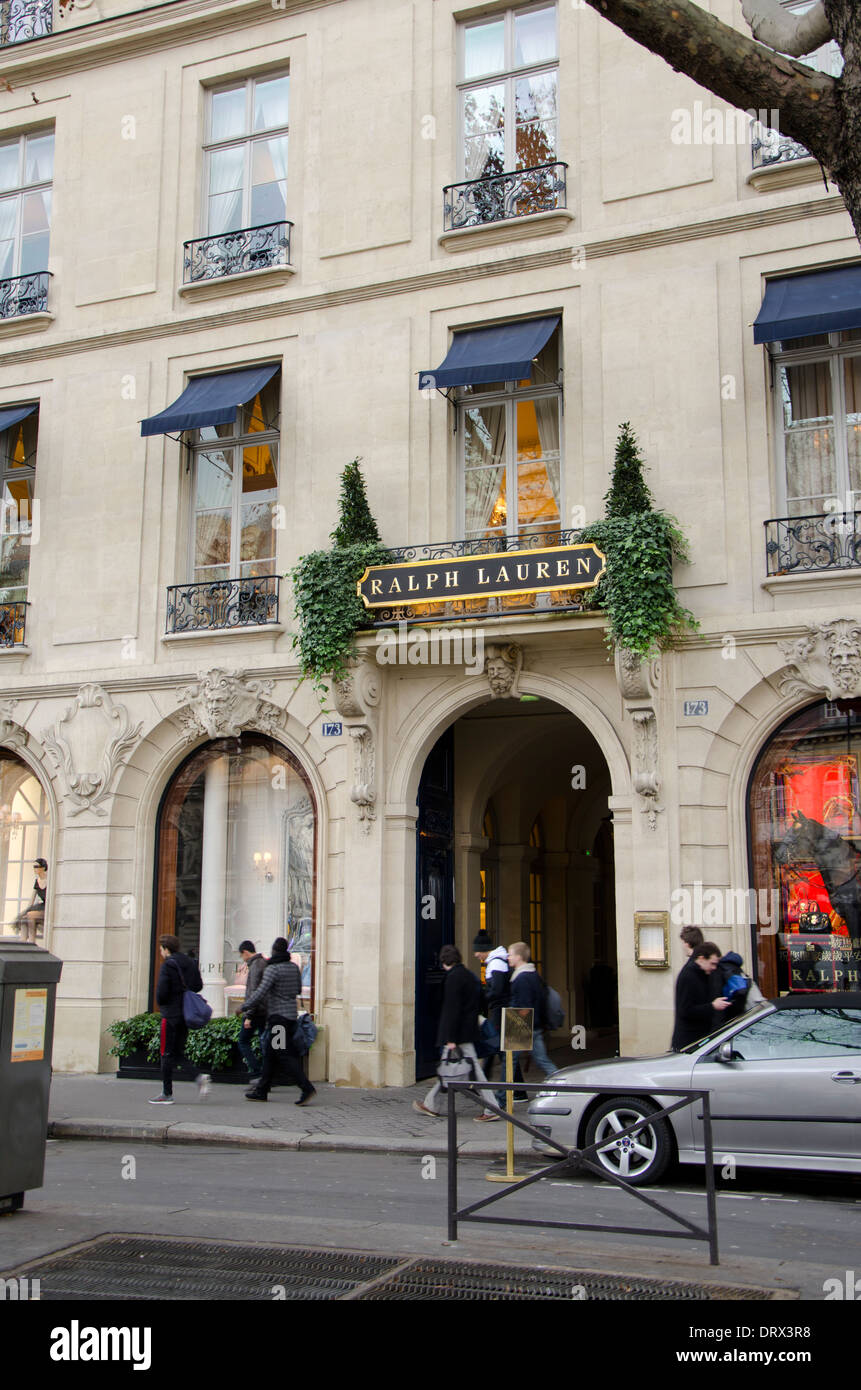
(482, 576)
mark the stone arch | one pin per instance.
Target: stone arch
(433, 714)
(732, 751)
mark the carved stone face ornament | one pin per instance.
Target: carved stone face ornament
(844, 656)
(221, 704)
(827, 657)
(502, 665)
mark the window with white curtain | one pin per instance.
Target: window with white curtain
(235, 485)
(26, 173)
(510, 452)
(817, 387)
(246, 154)
(508, 92)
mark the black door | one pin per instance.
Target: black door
(434, 894)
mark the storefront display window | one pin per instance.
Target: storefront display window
(236, 856)
(805, 837)
(25, 830)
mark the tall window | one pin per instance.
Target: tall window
(508, 83)
(25, 832)
(536, 899)
(246, 154)
(236, 855)
(510, 452)
(818, 398)
(804, 816)
(18, 464)
(235, 489)
(26, 171)
(487, 878)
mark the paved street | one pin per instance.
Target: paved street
(787, 1234)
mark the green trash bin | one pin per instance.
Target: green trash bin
(28, 987)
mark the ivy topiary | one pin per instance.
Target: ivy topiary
(628, 494)
(324, 587)
(637, 594)
(356, 525)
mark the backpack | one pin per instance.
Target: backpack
(554, 1013)
(304, 1033)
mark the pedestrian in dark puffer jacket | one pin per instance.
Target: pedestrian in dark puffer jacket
(279, 987)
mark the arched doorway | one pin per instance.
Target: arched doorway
(25, 834)
(804, 822)
(514, 834)
(236, 855)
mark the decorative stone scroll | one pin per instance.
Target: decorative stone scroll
(827, 658)
(363, 793)
(359, 691)
(639, 682)
(87, 743)
(12, 734)
(221, 704)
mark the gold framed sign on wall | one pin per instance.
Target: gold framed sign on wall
(652, 940)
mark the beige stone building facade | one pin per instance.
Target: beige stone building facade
(453, 171)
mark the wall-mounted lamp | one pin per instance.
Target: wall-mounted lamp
(262, 862)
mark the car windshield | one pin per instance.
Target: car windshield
(726, 1028)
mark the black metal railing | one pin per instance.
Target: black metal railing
(24, 294)
(803, 544)
(770, 147)
(500, 196)
(13, 618)
(223, 603)
(572, 1161)
(25, 19)
(235, 253)
(459, 610)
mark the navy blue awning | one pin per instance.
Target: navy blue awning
(503, 352)
(797, 306)
(210, 400)
(14, 415)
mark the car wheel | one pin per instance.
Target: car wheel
(638, 1158)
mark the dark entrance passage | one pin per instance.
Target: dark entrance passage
(434, 893)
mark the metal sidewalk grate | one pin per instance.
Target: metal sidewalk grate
(429, 1280)
(135, 1267)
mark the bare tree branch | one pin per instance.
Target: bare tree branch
(791, 33)
(735, 68)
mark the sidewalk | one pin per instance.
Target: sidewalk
(338, 1118)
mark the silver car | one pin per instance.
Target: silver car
(784, 1083)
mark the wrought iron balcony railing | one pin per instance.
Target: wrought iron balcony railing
(25, 19)
(804, 544)
(223, 603)
(460, 610)
(771, 148)
(24, 294)
(235, 253)
(13, 618)
(493, 199)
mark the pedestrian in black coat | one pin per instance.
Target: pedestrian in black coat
(458, 1026)
(178, 973)
(697, 1013)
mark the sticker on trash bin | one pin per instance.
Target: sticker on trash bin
(28, 1025)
